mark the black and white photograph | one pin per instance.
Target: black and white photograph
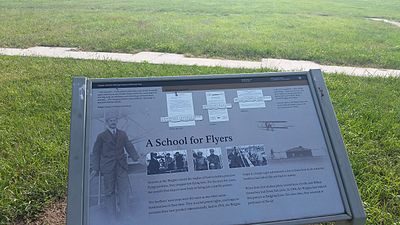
(247, 156)
(111, 187)
(207, 159)
(297, 153)
(167, 162)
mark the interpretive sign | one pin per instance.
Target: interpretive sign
(221, 149)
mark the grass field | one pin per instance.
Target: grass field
(330, 32)
(35, 92)
(34, 130)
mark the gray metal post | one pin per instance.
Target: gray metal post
(355, 202)
(76, 152)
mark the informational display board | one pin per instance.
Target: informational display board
(201, 150)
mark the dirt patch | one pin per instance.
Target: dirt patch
(323, 14)
(54, 214)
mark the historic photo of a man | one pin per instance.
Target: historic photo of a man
(109, 160)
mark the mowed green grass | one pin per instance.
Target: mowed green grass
(35, 101)
(326, 31)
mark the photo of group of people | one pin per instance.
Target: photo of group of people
(247, 156)
(167, 162)
(206, 159)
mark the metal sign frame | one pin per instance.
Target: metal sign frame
(79, 154)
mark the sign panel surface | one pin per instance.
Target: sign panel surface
(224, 151)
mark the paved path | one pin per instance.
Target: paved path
(397, 24)
(180, 59)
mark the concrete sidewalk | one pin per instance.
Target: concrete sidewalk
(180, 59)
